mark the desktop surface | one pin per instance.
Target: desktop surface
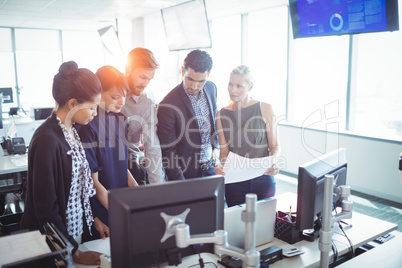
(387, 255)
(13, 163)
(364, 229)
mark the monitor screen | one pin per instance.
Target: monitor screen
(137, 227)
(42, 113)
(337, 17)
(310, 188)
(1, 114)
(7, 94)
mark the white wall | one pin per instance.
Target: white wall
(372, 163)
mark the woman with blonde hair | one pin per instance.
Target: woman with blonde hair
(247, 127)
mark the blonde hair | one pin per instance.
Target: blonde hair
(245, 72)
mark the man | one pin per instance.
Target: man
(141, 115)
(186, 121)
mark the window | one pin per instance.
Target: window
(267, 56)
(379, 95)
(320, 82)
(7, 68)
(225, 52)
(38, 59)
(87, 52)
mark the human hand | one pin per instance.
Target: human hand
(273, 170)
(87, 257)
(219, 170)
(101, 228)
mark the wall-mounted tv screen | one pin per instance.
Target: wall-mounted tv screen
(186, 26)
(337, 17)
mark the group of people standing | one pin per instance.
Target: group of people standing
(82, 150)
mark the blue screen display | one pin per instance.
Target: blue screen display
(336, 17)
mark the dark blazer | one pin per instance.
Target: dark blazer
(179, 133)
(49, 179)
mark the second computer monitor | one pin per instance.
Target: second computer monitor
(310, 189)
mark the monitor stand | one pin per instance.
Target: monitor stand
(311, 234)
(249, 255)
(325, 242)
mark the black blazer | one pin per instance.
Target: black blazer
(179, 133)
(49, 179)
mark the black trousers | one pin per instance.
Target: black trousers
(263, 186)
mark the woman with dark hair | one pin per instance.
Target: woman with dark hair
(59, 179)
(104, 140)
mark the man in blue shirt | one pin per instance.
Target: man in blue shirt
(186, 121)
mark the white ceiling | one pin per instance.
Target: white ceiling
(96, 14)
(75, 14)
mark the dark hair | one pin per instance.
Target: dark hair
(110, 77)
(198, 60)
(140, 57)
(72, 82)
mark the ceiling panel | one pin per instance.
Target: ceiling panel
(75, 14)
(96, 14)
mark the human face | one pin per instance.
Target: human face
(139, 79)
(84, 113)
(238, 88)
(194, 81)
(113, 100)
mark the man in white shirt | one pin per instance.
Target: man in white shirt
(141, 114)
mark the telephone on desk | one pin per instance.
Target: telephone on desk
(15, 146)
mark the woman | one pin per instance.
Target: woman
(247, 128)
(104, 143)
(59, 181)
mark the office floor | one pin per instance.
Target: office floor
(362, 203)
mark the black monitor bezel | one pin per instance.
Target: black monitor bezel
(392, 20)
(124, 201)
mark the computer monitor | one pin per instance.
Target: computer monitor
(137, 227)
(1, 112)
(310, 190)
(42, 113)
(7, 94)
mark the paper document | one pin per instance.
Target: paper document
(20, 160)
(99, 245)
(238, 168)
(22, 246)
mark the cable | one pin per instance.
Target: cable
(350, 242)
(200, 260)
(335, 251)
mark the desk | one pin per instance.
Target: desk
(12, 168)
(364, 230)
(25, 127)
(385, 255)
(13, 163)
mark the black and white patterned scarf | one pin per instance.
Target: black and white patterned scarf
(82, 186)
